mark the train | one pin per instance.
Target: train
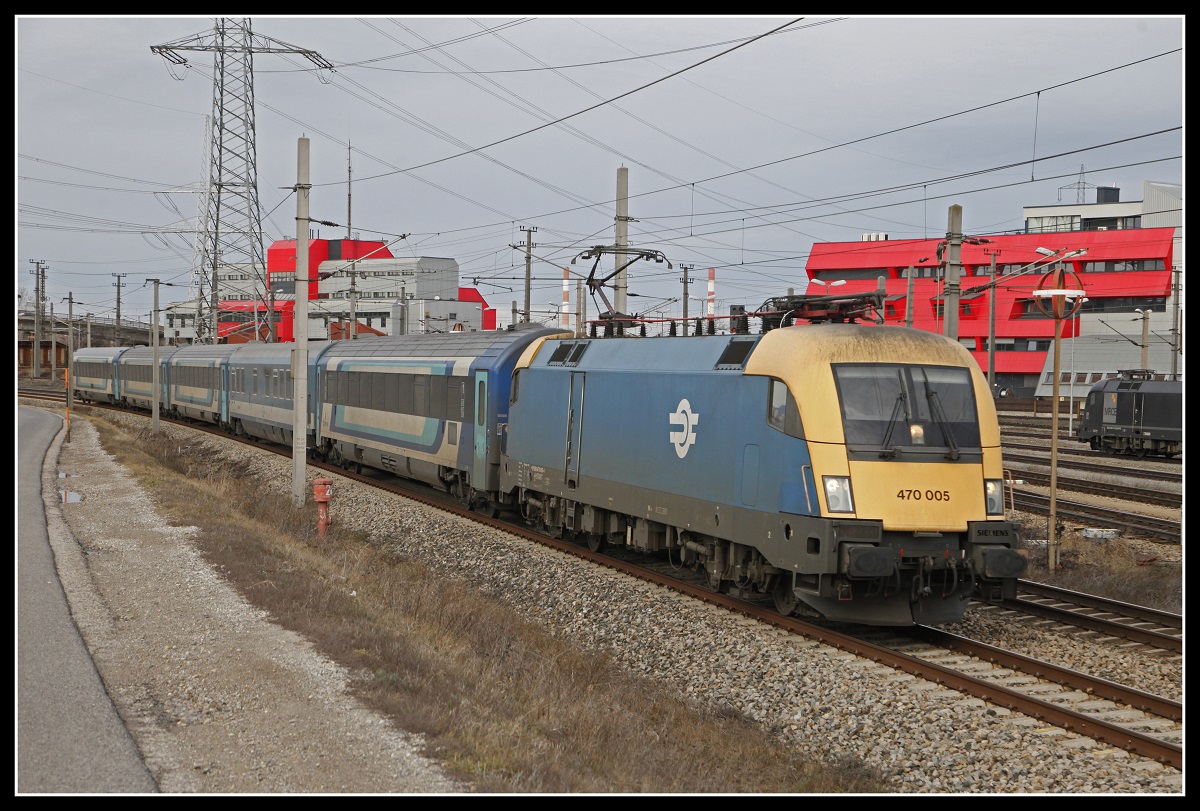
(838, 470)
(1133, 414)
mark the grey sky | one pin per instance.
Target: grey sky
(835, 127)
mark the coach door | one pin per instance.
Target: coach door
(479, 468)
(574, 431)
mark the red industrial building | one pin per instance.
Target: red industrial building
(1122, 270)
(330, 266)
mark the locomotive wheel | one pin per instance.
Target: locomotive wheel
(596, 542)
(785, 599)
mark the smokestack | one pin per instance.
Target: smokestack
(712, 292)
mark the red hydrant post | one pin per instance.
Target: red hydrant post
(323, 494)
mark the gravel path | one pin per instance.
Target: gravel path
(218, 698)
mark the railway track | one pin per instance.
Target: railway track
(1135, 493)
(1143, 473)
(1163, 530)
(1077, 704)
(1104, 619)
(1070, 448)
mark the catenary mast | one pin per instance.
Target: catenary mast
(230, 231)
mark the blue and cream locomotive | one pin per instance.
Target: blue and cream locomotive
(851, 471)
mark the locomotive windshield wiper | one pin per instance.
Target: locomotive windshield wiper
(901, 402)
(939, 415)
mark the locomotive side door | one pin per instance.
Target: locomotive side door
(574, 443)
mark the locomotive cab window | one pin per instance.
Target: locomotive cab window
(782, 413)
(900, 408)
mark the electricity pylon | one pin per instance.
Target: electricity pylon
(230, 233)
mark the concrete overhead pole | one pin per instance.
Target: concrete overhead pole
(1145, 337)
(528, 271)
(991, 345)
(954, 239)
(564, 316)
(117, 323)
(54, 346)
(580, 310)
(621, 282)
(35, 365)
(300, 328)
(1176, 345)
(154, 375)
(70, 358)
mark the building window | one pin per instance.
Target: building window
(1040, 225)
(1123, 266)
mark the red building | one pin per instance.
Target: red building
(1120, 271)
(327, 290)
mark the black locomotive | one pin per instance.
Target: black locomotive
(1135, 415)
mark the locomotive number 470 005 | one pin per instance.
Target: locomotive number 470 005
(923, 495)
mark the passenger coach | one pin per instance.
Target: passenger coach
(200, 382)
(136, 367)
(95, 377)
(427, 407)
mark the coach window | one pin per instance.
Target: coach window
(391, 394)
(404, 393)
(421, 395)
(437, 396)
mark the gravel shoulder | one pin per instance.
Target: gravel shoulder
(218, 698)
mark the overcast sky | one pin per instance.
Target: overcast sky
(747, 139)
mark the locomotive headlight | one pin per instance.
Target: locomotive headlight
(837, 494)
(917, 434)
(993, 496)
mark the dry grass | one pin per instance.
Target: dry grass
(500, 701)
(1110, 569)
